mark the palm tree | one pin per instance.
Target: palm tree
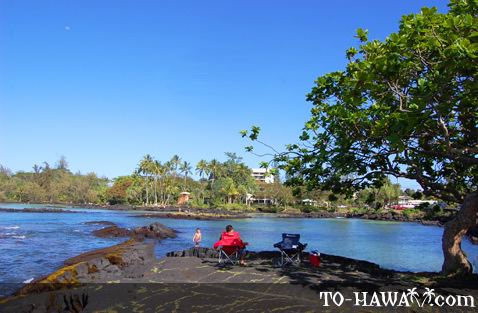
(202, 168)
(213, 169)
(163, 171)
(175, 162)
(157, 169)
(146, 168)
(186, 169)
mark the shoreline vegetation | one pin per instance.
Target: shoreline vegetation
(226, 186)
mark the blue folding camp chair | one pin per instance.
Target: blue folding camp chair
(290, 248)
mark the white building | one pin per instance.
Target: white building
(251, 199)
(409, 203)
(263, 175)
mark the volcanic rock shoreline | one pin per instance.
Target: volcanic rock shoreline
(36, 210)
(127, 260)
(127, 277)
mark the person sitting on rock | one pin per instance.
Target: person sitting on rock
(231, 238)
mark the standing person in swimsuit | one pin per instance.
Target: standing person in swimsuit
(197, 238)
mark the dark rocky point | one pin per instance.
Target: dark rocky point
(107, 223)
(129, 259)
(112, 231)
(36, 210)
(154, 231)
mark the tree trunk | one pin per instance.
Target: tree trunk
(147, 194)
(455, 262)
(155, 190)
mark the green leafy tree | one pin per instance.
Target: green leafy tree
(406, 107)
(62, 164)
(118, 194)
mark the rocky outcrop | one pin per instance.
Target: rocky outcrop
(129, 259)
(154, 231)
(107, 223)
(431, 223)
(112, 231)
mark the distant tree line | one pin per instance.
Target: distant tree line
(227, 184)
(55, 184)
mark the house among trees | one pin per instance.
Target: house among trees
(407, 202)
(252, 199)
(309, 202)
(184, 198)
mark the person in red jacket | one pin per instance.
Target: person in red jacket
(231, 240)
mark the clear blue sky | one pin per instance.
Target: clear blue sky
(105, 82)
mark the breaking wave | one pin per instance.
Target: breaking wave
(9, 227)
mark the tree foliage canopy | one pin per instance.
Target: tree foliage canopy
(406, 106)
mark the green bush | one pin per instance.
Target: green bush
(309, 208)
(411, 212)
(363, 210)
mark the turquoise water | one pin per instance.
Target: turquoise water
(34, 244)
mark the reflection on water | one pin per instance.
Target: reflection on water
(33, 244)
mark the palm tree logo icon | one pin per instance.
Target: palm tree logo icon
(412, 294)
(428, 294)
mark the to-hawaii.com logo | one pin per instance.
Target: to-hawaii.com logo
(397, 299)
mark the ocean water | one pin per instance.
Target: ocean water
(35, 244)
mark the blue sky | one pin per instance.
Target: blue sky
(105, 82)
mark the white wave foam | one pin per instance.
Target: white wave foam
(19, 237)
(28, 281)
(9, 227)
